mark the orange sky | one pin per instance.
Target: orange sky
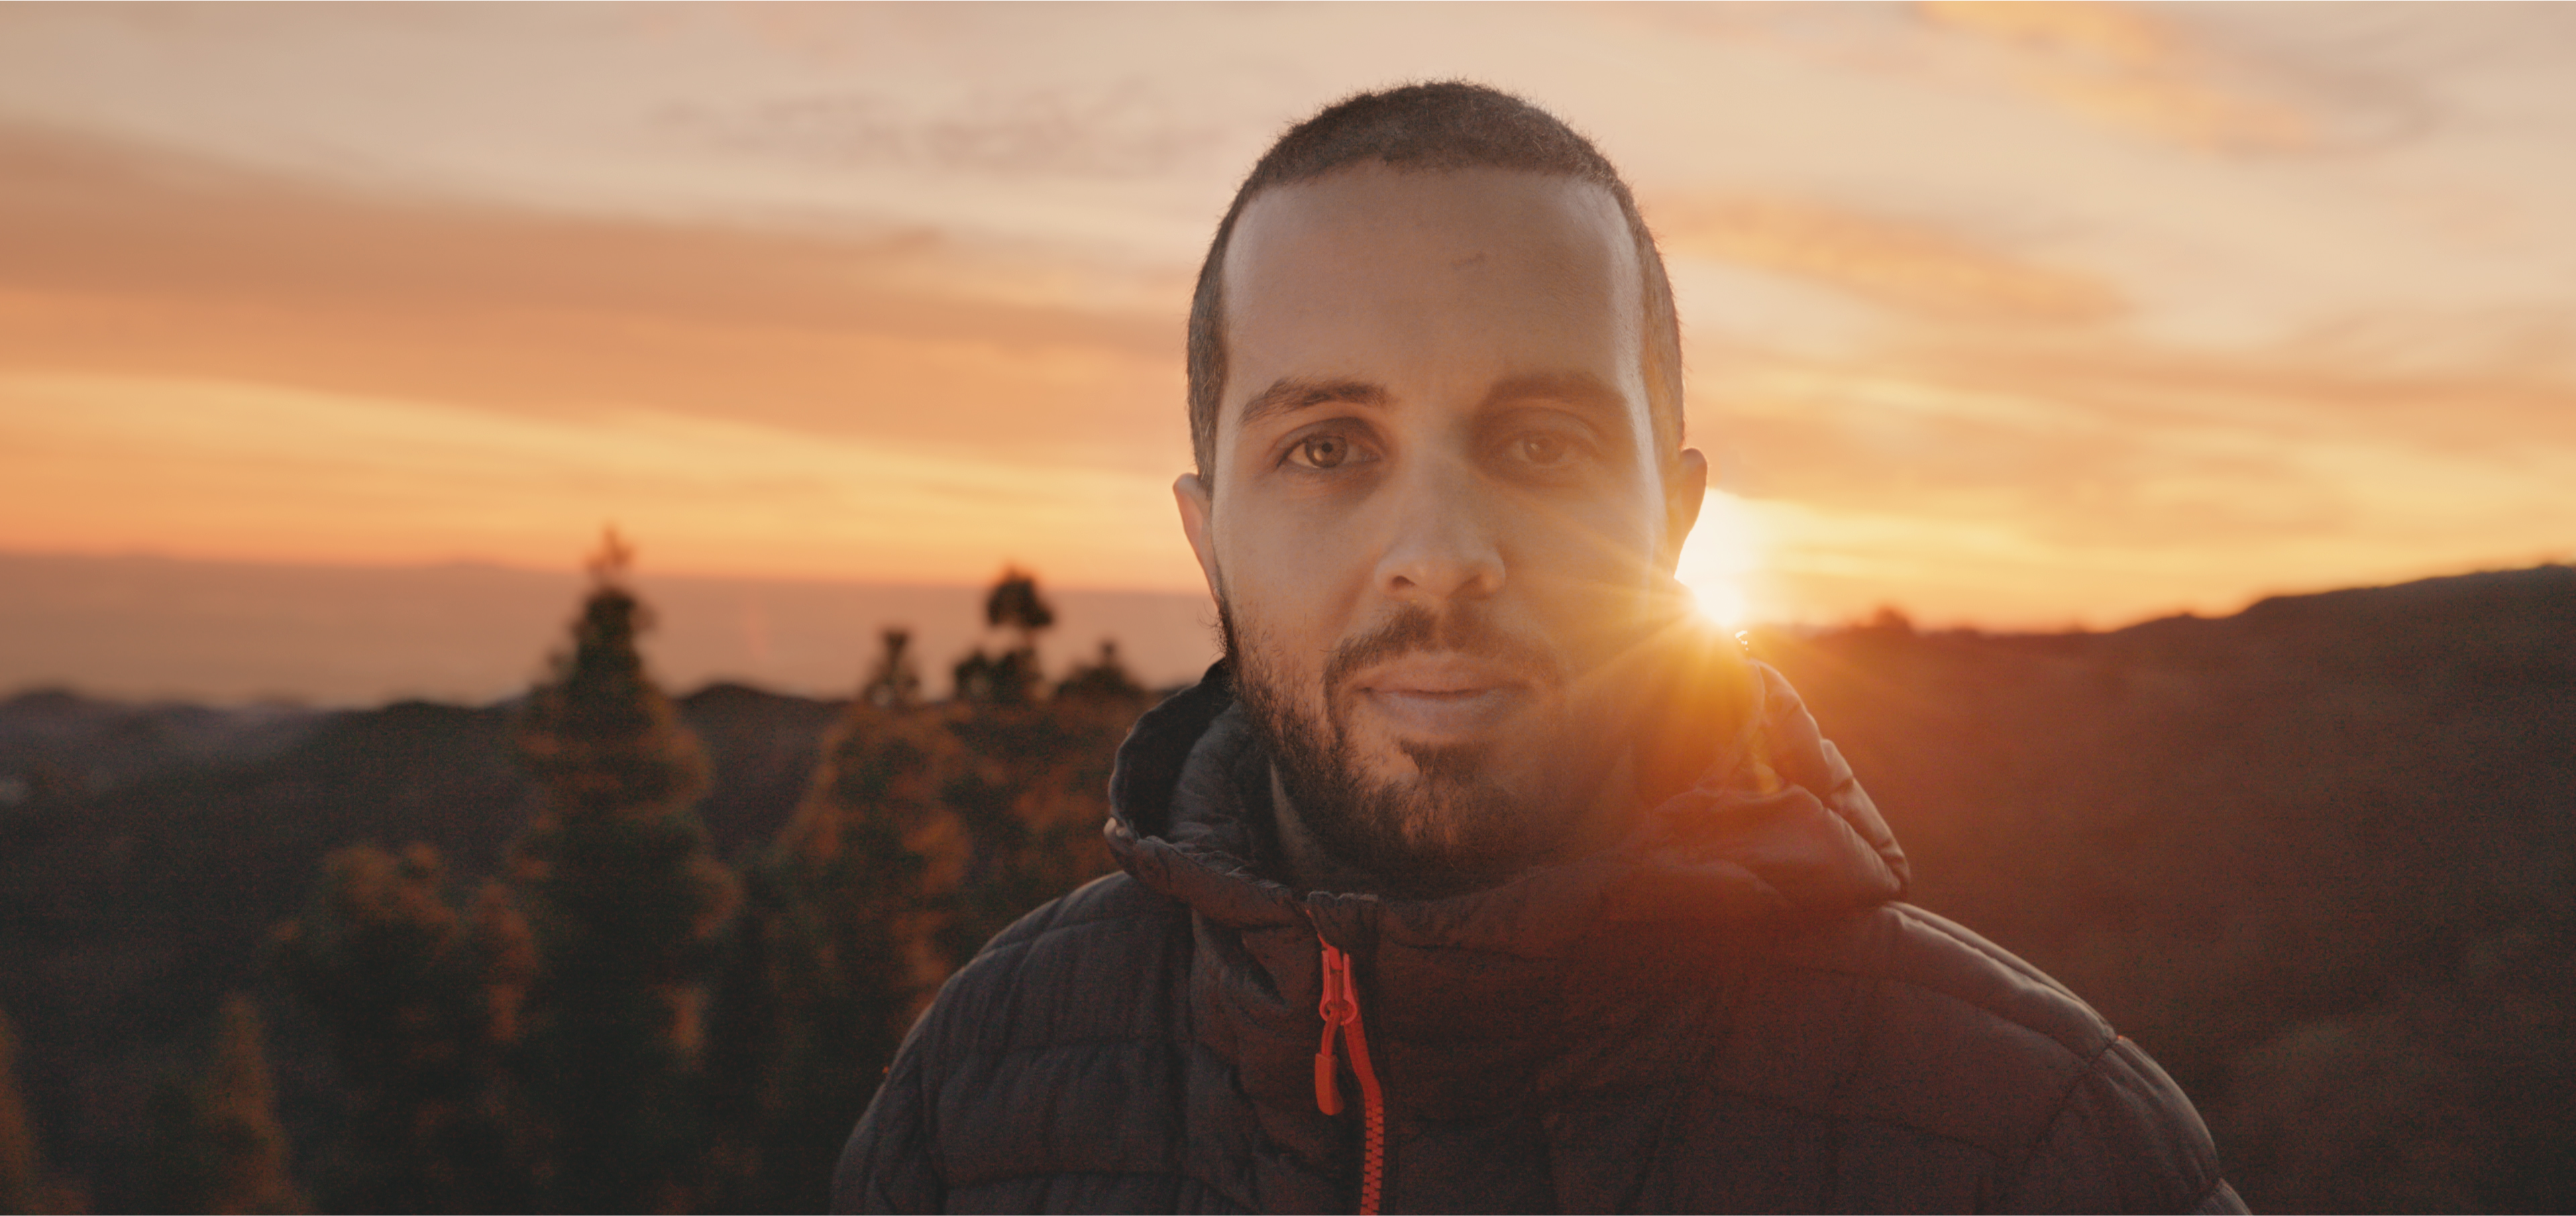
(2021, 315)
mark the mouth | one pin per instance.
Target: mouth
(1440, 696)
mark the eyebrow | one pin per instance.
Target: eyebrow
(1582, 390)
(1289, 394)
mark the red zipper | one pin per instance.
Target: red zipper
(1341, 1010)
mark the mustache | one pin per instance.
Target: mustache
(1467, 629)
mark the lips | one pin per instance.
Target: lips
(1440, 696)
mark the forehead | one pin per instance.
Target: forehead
(1423, 281)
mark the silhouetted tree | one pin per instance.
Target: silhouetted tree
(24, 1184)
(416, 1005)
(1104, 680)
(1033, 801)
(504, 950)
(1008, 678)
(1015, 604)
(216, 1143)
(1012, 676)
(625, 905)
(894, 683)
(857, 893)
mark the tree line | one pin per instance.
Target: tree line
(619, 1020)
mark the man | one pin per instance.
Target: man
(1475, 878)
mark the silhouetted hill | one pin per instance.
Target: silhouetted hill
(2319, 857)
(57, 743)
(763, 746)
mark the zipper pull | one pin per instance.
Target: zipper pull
(1336, 1008)
(1341, 1009)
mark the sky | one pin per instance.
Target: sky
(2018, 316)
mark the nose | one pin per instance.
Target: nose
(1443, 539)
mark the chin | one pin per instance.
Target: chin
(1448, 815)
(1430, 812)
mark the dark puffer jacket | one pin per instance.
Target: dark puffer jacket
(1727, 1012)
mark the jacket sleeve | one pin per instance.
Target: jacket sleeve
(886, 1165)
(2124, 1139)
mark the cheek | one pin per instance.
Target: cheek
(1284, 578)
(1592, 573)
(1595, 544)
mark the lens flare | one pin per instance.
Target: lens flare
(1719, 562)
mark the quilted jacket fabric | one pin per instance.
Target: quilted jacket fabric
(1727, 1012)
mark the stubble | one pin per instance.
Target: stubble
(1447, 827)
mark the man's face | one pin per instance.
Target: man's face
(1438, 520)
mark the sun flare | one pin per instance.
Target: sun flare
(1719, 562)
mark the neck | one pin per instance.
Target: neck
(1310, 867)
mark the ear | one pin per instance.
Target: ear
(1197, 509)
(1685, 488)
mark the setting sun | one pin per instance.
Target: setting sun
(1721, 560)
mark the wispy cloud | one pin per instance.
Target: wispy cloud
(1913, 266)
(1122, 128)
(2007, 476)
(202, 360)
(117, 259)
(2143, 71)
(230, 469)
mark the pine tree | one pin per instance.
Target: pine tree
(861, 886)
(1104, 680)
(504, 950)
(1034, 800)
(743, 1047)
(600, 738)
(1014, 604)
(406, 993)
(491, 1148)
(626, 906)
(895, 683)
(985, 679)
(1011, 677)
(24, 1186)
(217, 1145)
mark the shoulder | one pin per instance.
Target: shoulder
(1898, 1015)
(1904, 1020)
(1941, 973)
(1076, 1008)
(1082, 967)
(1048, 1060)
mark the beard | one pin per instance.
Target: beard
(1452, 825)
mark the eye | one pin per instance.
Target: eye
(1321, 451)
(1542, 449)
(1546, 449)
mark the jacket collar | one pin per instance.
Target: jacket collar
(1480, 1005)
(1775, 827)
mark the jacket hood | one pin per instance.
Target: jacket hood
(1775, 827)
(1479, 1003)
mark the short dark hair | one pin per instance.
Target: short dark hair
(1447, 125)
